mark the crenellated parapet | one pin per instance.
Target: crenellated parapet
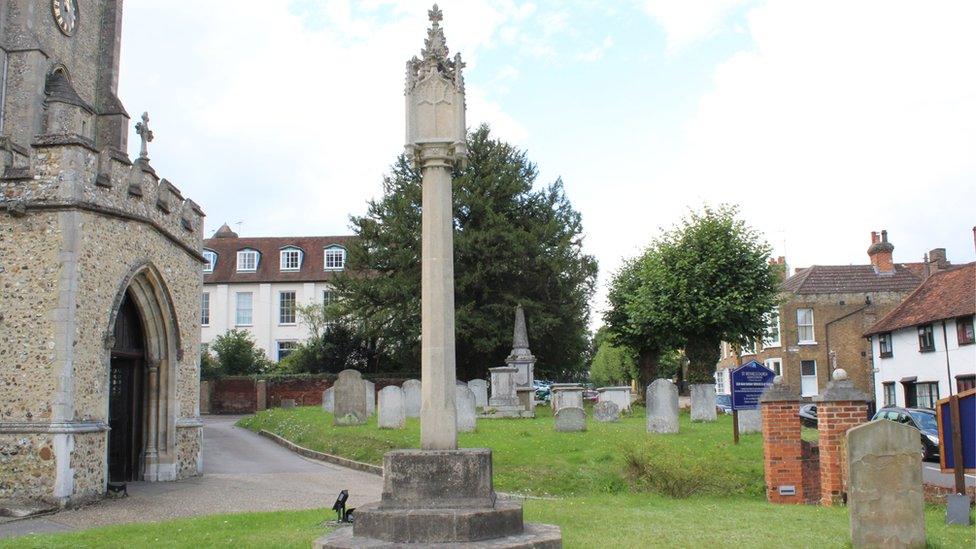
(66, 171)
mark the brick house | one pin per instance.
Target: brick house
(825, 311)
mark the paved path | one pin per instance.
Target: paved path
(242, 472)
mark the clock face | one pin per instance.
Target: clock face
(65, 15)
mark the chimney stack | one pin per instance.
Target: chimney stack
(937, 260)
(880, 253)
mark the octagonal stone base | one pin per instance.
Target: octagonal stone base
(533, 536)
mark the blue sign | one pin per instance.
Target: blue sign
(748, 383)
(967, 430)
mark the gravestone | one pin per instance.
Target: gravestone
(466, 407)
(287, 403)
(503, 387)
(618, 395)
(328, 400)
(390, 412)
(750, 421)
(662, 407)
(570, 419)
(703, 402)
(606, 412)
(884, 491)
(521, 357)
(480, 389)
(370, 397)
(350, 399)
(566, 394)
(411, 398)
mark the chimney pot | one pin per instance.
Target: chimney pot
(880, 253)
(874, 237)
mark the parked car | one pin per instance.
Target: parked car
(808, 415)
(922, 419)
(590, 395)
(723, 403)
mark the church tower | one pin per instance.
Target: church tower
(100, 270)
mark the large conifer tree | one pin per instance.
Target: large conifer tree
(512, 244)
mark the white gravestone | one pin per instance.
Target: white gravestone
(570, 419)
(703, 402)
(411, 398)
(465, 404)
(370, 397)
(390, 412)
(750, 421)
(328, 400)
(618, 395)
(503, 387)
(662, 407)
(350, 399)
(884, 493)
(480, 389)
(566, 394)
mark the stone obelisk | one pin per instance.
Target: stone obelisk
(438, 494)
(435, 143)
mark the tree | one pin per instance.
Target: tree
(333, 344)
(237, 354)
(630, 326)
(612, 365)
(711, 282)
(512, 244)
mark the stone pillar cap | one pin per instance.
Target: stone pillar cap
(779, 391)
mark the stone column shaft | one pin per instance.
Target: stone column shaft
(438, 417)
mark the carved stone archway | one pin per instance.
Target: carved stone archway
(147, 291)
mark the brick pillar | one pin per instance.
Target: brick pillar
(840, 408)
(782, 446)
(261, 390)
(204, 397)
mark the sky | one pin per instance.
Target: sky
(823, 121)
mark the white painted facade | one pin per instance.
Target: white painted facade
(941, 365)
(266, 326)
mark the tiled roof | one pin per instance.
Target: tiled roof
(849, 279)
(313, 258)
(946, 294)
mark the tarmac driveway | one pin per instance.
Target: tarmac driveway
(242, 472)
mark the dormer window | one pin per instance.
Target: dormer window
(291, 259)
(247, 261)
(335, 258)
(211, 258)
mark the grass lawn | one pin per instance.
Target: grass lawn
(626, 520)
(531, 458)
(596, 500)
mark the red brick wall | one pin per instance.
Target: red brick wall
(834, 419)
(782, 450)
(811, 472)
(305, 391)
(233, 395)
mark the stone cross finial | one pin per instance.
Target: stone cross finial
(146, 135)
(436, 15)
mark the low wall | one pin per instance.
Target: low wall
(240, 395)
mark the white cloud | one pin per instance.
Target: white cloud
(596, 53)
(687, 21)
(286, 116)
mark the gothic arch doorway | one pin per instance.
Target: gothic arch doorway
(141, 374)
(126, 392)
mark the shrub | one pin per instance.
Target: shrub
(237, 354)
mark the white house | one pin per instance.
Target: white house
(255, 284)
(924, 350)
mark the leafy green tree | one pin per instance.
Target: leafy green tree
(629, 325)
(512, 244)
(711, 282)
(612, 365)
(333, 345)
(237, 354)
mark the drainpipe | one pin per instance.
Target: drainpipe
(945, 341)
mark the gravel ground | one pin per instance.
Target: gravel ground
(242, 472)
